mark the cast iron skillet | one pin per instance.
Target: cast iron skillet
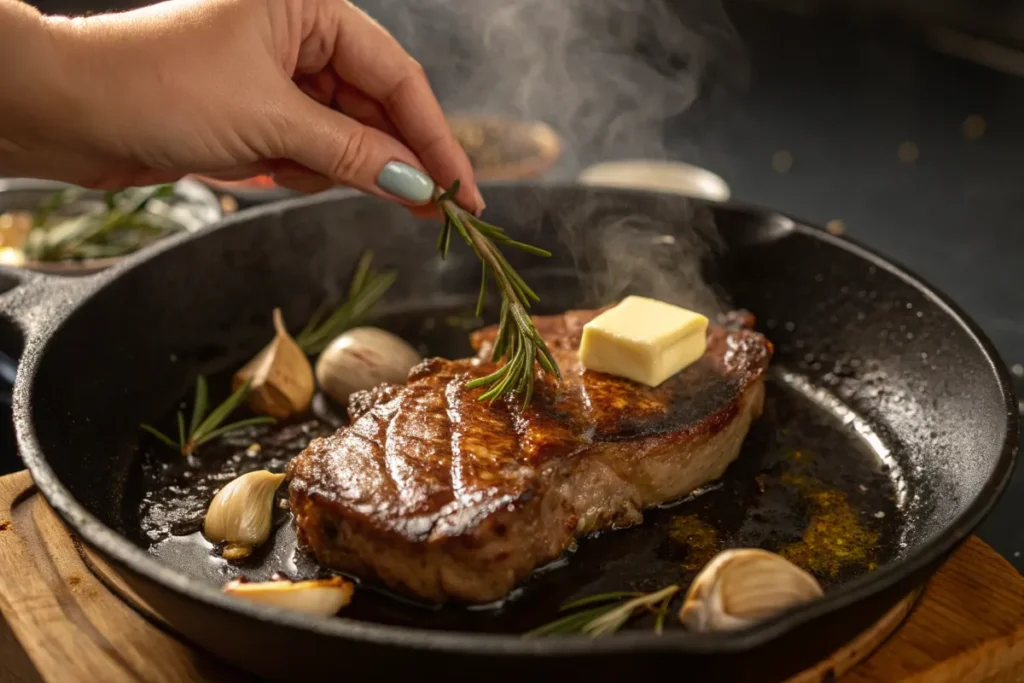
(103, 353)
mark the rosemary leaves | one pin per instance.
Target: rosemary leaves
(203, 427)
(283, 377)
(610, 615)
(66, 227)
(518, 343)
(365, 290)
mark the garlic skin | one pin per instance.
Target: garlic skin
(282, 382)
(740, 587)
(320, 598)
(363, 358)
(241, 514)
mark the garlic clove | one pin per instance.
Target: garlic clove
(323, 597)
(241, 514)
(740, 587)
(363, 358)
(282, 381)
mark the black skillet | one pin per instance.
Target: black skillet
(105, 352)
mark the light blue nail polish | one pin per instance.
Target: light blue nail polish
(405, 182)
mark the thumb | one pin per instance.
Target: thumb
(349, 153)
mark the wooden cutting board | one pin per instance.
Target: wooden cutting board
(61, 624)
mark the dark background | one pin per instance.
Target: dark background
(837, 87)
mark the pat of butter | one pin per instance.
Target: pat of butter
(644, 340)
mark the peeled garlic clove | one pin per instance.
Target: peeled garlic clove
(741, 587)
(324, 597)
(242, 512)
(282, 382)
(363, 358)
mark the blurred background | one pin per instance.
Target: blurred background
(895, 122)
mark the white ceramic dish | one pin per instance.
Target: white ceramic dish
(653, 174)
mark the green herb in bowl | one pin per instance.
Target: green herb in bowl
(71, 227)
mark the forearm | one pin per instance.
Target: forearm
(209, 86)
(111, 99)
(37, 103)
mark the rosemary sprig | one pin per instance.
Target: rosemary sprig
(600, 597)
(366, 289)
(659, 620)
(608, 618)
(202, 427)
(518, 341)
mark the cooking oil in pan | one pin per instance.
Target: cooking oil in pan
(813, 482)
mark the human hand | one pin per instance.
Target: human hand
(235, 88)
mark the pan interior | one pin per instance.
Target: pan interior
(805, 484)
(883, 421)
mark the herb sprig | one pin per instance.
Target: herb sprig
(366, 289)
(203, 427)
(121, 226)
(518, 343)
(611, 614)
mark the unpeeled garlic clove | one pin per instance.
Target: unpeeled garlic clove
(282, 382)
(738, 588)
(363, 358)
(241, 514)
(322, 597)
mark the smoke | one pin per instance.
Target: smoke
(605, 74)
(611, 77)
(661, 252)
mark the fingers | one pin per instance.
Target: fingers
(301, 179)
(306, 182)
(351, 153)
(371, 60)
(360, 107)
(319, 85)
(429, 211)
(242, 172)
(328, 89)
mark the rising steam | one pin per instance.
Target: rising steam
(609, 76)
(659, 252)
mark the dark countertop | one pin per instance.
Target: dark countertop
(841, 102)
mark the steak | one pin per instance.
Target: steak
(443, 497)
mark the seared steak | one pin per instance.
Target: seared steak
(443, 497)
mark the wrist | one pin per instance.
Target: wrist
(55, 117)
(32, 88)
(115, 79)
(78, 85)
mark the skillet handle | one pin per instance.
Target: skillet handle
(30, 302)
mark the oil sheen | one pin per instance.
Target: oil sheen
(812, 482)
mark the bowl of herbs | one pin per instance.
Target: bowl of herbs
(58, 228)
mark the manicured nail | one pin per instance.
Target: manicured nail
(405, 182)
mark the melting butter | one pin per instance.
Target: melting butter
(644, 340)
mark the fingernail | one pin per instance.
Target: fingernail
(405, 182)
(480, 203)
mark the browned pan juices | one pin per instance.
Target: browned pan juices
(808, 484)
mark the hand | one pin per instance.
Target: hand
(312, 91)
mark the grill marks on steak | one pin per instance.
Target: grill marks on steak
(442, 496)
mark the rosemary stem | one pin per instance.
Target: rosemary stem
(483, 247)
(517, 344)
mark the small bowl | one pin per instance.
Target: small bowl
(199, 209)
(537, 148)
(663, 176)
(531, 147)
